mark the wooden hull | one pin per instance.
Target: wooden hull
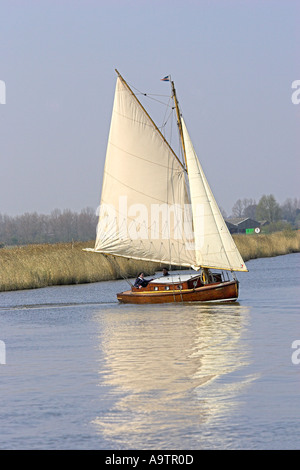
(216, 292)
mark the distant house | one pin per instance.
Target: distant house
(243, 225)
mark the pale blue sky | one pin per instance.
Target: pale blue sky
(233, 63)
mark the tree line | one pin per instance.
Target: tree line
(59, 226)
(67, 226)
(268, 209)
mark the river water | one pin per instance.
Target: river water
(80, 371)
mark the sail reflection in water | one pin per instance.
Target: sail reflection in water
(160, 362)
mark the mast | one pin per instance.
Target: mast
(179, 123)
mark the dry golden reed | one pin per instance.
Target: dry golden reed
(34, 266)
(266, 245)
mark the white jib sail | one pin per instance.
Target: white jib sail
(214, 245)
(144, 201)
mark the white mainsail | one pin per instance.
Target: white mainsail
(144, 196)
(214, 245)
(145, 209)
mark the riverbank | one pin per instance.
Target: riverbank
(267, 245)
(35, 266)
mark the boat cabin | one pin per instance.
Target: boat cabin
(179, 282)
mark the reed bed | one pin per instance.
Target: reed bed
(266, 245)
(35, 266)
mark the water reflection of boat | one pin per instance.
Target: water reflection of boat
(158, 365)
(156, 206)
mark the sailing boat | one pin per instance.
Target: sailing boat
(155, 207)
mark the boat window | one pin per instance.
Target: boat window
(155, 288)
(180, 286)
(167, 287)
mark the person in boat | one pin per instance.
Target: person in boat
(140, 281)
(206, 276)
(165, 272)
